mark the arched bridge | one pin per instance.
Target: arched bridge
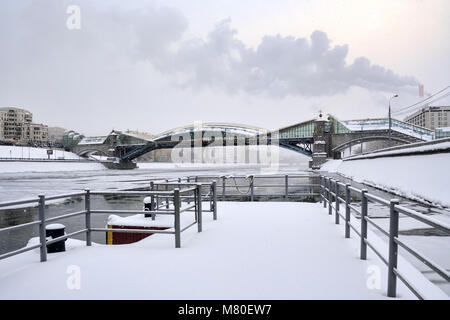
(214, 134)
(324, 137)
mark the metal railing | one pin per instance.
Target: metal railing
(211, 195)
(331, 192)
(249, 184)
(177, 196)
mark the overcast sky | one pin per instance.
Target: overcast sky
(154, 65)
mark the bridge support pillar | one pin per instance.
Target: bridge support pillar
(319, 149)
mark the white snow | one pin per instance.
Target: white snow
(444, 146)
(22, 166)
(54, 226)
(161, 220)
(34, 153)
(419, 177)
(253, 251)
(331, 165)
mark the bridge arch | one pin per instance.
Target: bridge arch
(352, 142)
(213, 127)
(88, 152)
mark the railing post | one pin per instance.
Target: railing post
(157, 198)
(347, 210)
(177, 204)
(223, 188)
(167, 189)
(330, 196)
(152, 203)
(198, 191)
(336, 190)
(324, 191)
(393, 249)
(42, 237)
(214, 194)
(320, 189)
(87, 207)
(188, 181)
(286, 186)
(363, 254)
(252, 188)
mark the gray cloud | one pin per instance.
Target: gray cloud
(279, 66)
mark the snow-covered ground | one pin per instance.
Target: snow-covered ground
(34, 153)
(29, 153)
(420, 177)
(407, 149)
(46, 167)
(253, 251)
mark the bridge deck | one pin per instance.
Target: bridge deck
(254, 250)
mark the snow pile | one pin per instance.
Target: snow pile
(422, 177)
(30, 153)
(248, 253)
(34, 153)
(440, 147)
(161, 220)
(22, 166)
(331, 165)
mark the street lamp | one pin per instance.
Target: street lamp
(390, 119)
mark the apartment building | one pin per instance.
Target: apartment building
(431, 117)
(16, 126)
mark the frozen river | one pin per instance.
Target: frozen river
(19, 185)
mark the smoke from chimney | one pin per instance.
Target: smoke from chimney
(421, 91)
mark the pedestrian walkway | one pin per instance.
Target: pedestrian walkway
(256, 250)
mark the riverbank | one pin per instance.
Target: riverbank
(423, 178)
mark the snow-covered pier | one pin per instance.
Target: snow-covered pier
(240, 250)
(278, 250)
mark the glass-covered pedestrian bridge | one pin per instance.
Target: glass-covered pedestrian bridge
(382, 125)
(334, 126)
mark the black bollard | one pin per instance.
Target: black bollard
(54, 231)
(147, 206)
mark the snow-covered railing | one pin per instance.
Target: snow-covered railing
(182, 193)
(211, 196)
(331, 192)
(383, 124)
(247, 186)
